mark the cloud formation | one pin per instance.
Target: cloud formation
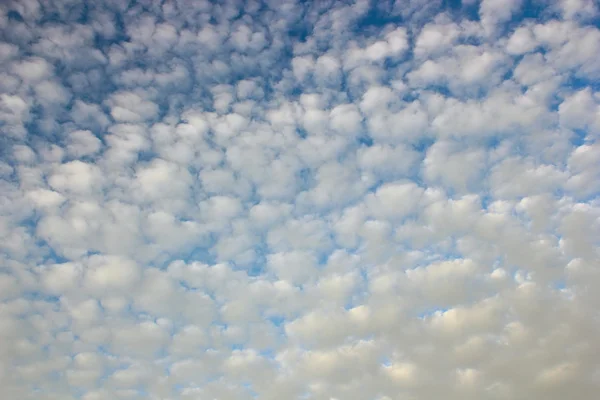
(387, 200)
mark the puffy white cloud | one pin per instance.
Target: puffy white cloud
(466, 70)
(495, 12)
(83, 143)
(326, 200)
(131, 107)
(76, 177)
(581, 111)
(579, 9)
(453, 167)
(15, 112)
(105, 273)
(521, 41)
(394, 200)
(435, 38)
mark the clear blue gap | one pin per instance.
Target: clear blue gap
(301, 132)
(560, 284)
(268, 354)
(470, 11)
(39, 296)
(595, 22)
(452, 5)
(429, 311)
(423, 144)
(322, 257)
(377, 18)
(15, 16)
(534, 9)
(412, 95)
(486, 200)
(301, 30)
(305, 179)
(50, 256)
(492, 142)
(249, 389)
(508, 74)
(576, 83)
(365, 140)
(350, 304)
(529, 9)
(256, 269)
(579, 137)
(32, 125)
(202, 253)
(179, 387)
(385, 361)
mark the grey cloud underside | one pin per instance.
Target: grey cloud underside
(278, 200)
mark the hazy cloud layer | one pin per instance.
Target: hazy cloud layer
(386, 200)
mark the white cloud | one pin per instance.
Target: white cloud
(341, 200)
(111, 273)
(131, 107)
(584, 9)
(458, 170)
(580, 111)
(394, 200)
(436, 38)
(83, 143)
(495, 12)
(521, 41)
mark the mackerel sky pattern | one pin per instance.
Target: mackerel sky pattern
(279, 199)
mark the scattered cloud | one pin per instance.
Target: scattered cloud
(286, 199)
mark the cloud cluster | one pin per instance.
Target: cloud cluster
(286, 199)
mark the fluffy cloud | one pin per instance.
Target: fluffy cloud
(286, 199)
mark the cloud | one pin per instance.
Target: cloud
(319, 200)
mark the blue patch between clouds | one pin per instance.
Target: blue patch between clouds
(14, 16)
(579, 137)
(278, 321)
(365, 141)
(431, 311)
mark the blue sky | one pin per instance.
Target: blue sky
(387, 200)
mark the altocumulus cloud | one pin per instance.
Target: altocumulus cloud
(369, 200)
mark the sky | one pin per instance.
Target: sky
(284, 199)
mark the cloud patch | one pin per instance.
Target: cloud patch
(326, 200)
